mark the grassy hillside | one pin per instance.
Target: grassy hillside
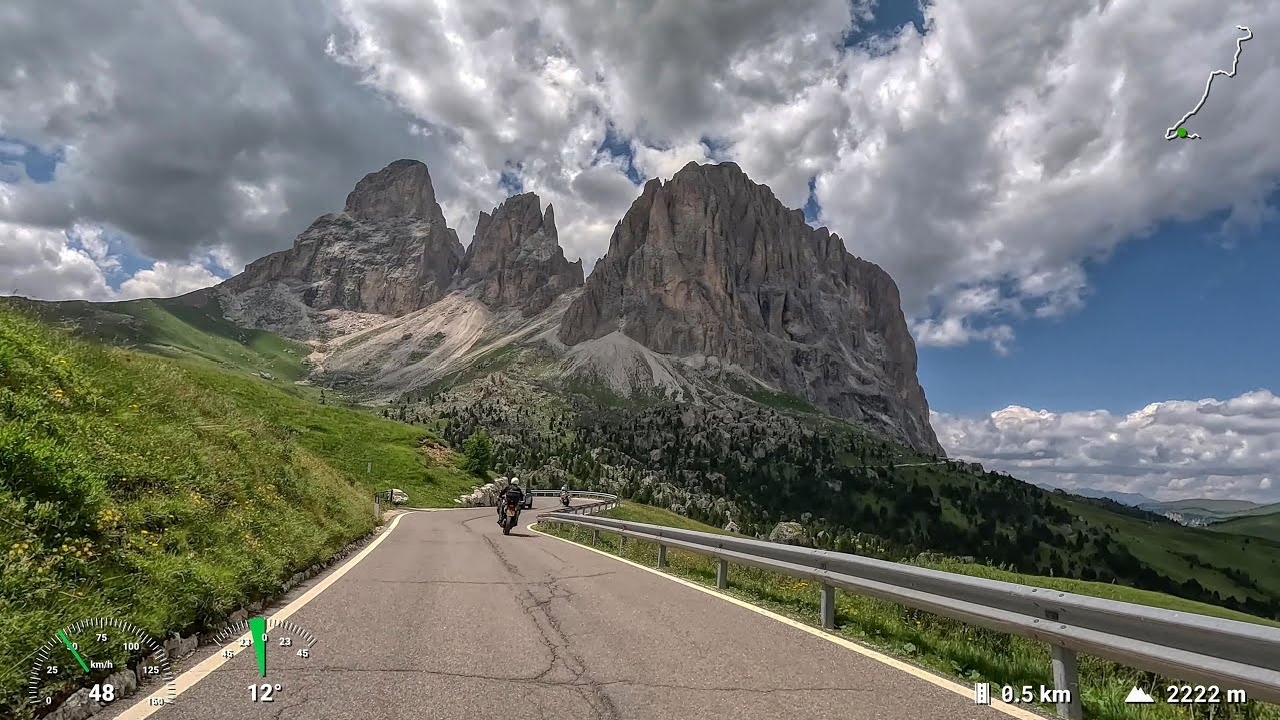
(1260, 526)
(1228, 564)
(169, 492)
(185, 327)
(965, 653)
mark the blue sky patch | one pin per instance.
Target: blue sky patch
(39, 165)
(619, 147)
(813, 208)
(511, 182)
(119, 262)
(889, 16)
(717, 149)
(1178, 314)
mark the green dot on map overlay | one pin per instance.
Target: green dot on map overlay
(1182, 132)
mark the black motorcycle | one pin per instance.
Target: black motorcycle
(564, 499)
(510, 516)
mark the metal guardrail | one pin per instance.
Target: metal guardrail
(605, 501)
(1224, 654)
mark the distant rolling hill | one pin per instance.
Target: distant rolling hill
(1212, 511)
(1241, 517)
(1206, 505)
(1263, 526)
(1124, 498)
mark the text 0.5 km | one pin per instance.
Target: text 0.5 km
(1025, 694)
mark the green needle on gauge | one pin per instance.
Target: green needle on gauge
(258, 628)
(62, 635)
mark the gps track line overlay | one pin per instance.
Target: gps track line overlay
(1180, 132)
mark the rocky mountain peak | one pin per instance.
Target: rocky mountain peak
(712, 264)
(389, 252)
(515, 257)
(400, 190)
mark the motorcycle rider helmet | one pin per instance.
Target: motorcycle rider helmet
(565, 488)
(515, 482)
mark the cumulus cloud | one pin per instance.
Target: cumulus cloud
(86, 263)
(1167, 450)
(981, 162)
(192, 126)
(166, 279)
(36, 262)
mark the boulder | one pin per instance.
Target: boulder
(790, 533)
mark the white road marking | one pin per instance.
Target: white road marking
(1172, 132)
(944, 683)
(143, 708)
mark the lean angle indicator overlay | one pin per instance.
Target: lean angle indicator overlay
(1178, 130)
(277, 645)
(94, 656)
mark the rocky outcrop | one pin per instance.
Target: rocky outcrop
(713, 264)
(388, 252)
(402, 189)
(515, 259)
(790, 533)
(485, 495)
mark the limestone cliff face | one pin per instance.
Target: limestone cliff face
(515, 258)
(708, 265)
(388, 252)
(713, 264)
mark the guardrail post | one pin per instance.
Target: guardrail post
(1066, 677)
(662, 555)
(722, 574)
(828, 607)
(622, 540)
(595, 537)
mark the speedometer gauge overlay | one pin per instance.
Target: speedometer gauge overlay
(104, 657)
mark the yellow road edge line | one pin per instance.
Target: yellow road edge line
(201, 670)
(944, 683)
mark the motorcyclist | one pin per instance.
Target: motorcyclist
(511, 493)
(564, 495)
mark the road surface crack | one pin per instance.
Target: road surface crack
(536, 600)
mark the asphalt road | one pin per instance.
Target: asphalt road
(449, 619)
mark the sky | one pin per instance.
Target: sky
(1094, 305)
